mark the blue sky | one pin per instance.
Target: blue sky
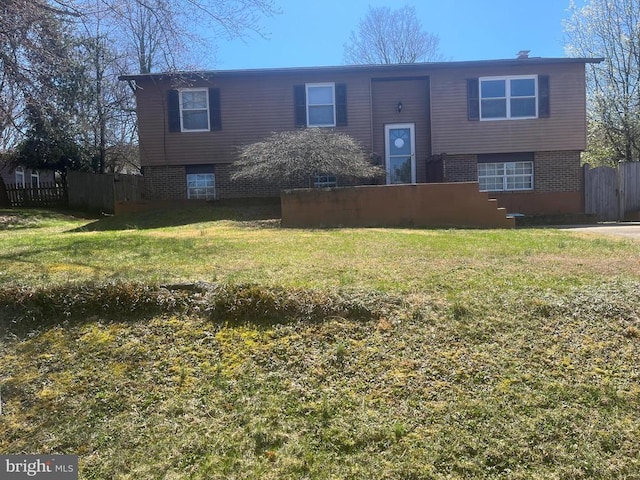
(312, 33)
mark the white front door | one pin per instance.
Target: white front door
(400, 153)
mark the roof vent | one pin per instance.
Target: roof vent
(523, 54)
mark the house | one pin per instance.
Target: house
(516, 126)
(25, 177)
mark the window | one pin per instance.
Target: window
(194, 110)
(324, 181)
(35, 179)
(321, 105)
(508, 97)
(20, 176)
(201, 186)
(201, 182)
(505, 176)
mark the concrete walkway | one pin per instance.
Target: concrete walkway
(625, 230)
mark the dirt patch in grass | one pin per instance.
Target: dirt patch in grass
(8, 220)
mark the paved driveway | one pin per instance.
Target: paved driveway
(626, 230)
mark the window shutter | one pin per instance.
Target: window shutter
(341, 105)
(300, 105)
(173, 110)
(215, 115)
(473, 99)
(544, 106)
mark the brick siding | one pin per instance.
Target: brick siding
(461, 168)
(165, 182)
(227, 188)
(554, 171)
(170, 183)
(558, 171)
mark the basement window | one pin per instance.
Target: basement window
(324, 181)
(201, 182)
(505, 176)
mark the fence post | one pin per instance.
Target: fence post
(585, 188)
(621, 191)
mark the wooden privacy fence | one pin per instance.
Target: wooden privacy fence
(45, 195)
(612, 194)
(100, 192)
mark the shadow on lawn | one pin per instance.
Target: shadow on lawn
(266, 213)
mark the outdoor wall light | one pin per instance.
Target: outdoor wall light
(399, 107)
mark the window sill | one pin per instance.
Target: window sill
(530, 190)
(510, 118)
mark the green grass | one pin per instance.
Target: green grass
(321, 354)
(183, 245)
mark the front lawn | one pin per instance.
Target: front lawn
(320, 354)
(221, 244)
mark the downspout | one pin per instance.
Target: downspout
(371, 114)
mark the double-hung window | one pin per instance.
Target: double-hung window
(201, 182)
(194, 110)
(321, 105)
(505, 176)
(512, 97)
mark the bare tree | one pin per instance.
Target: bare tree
(388, 36)
(296, 156)
(84, 45)
(32, 52)
(610, 29)
(174, 34)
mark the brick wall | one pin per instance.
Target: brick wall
(461, 168)
(226, 188)
(170, 183)
(554, 171)
(558, 171)
(165, 183)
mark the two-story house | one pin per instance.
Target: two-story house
(516, 126)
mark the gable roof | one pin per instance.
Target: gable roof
(371, 69)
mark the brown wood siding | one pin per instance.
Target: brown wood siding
(251, 109)
(454, 134)
(414, 95)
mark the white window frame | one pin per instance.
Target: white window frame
(333, 104)
(35, 174)
(506, 176)
(209, 192)
(182, 109)
(20, 176)
(325, 181)
(507, 79)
